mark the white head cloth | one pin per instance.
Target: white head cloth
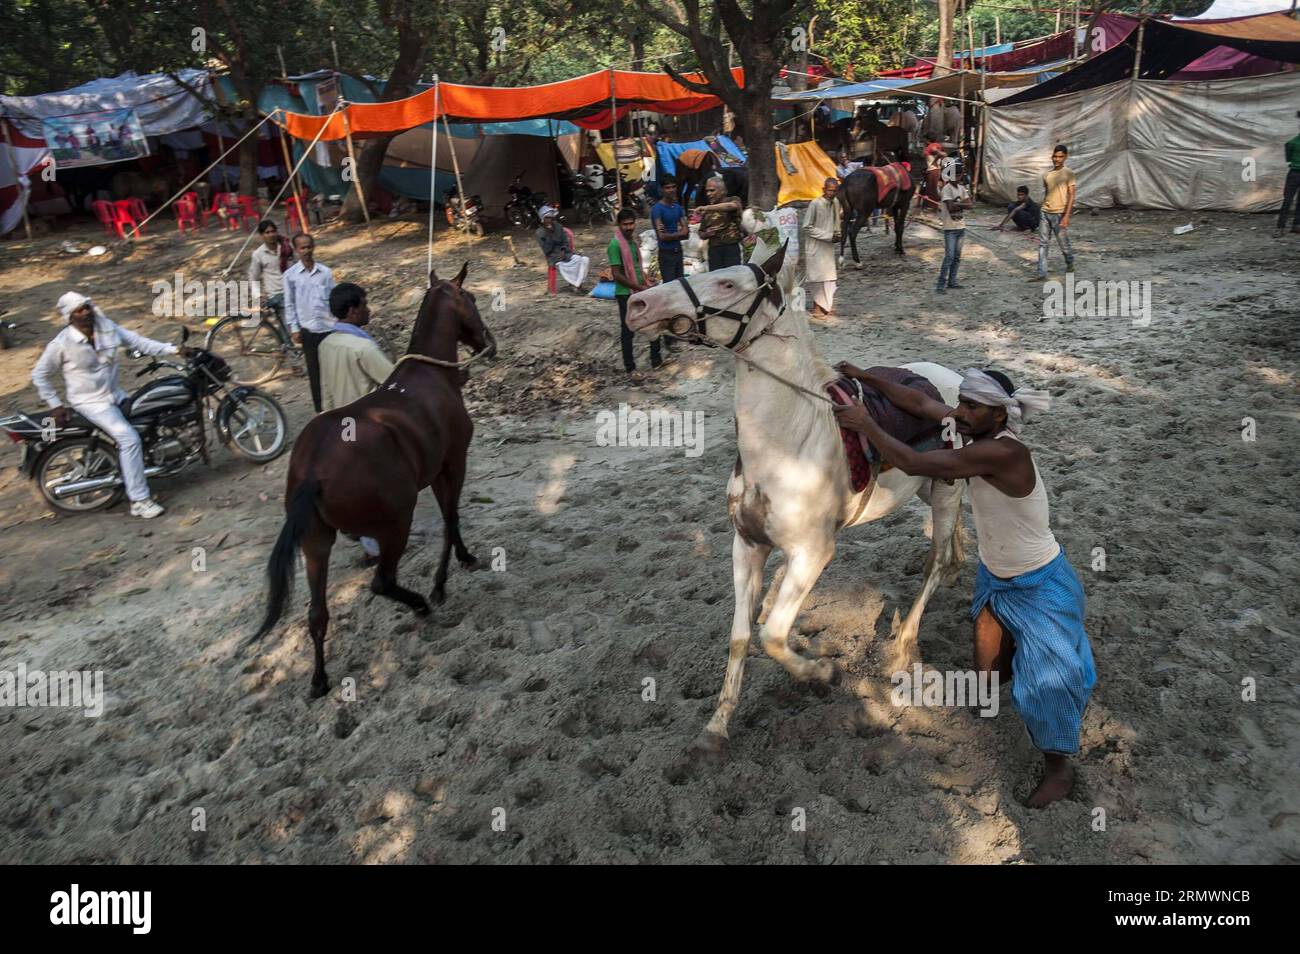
(71, 301)
(544, 211)
(983, 388)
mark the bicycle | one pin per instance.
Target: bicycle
(255, 353)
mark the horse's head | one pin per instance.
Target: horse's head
(669, 308)
(449, 316)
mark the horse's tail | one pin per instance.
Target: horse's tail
(284, 555)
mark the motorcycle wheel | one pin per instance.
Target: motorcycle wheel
(74, 459)
(516, 216)
(259, 431)
(255, 355)
(477, 229)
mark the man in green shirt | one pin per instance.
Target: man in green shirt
(629, 278)
(1291, 190)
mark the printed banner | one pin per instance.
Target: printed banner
(93, 139)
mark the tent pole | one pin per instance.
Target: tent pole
(455, 165)
(1137, 53)
(306, 152)
(613, 128)
(984, 115)
(356, 172)
(433, 176)
(297, 193)
(13, 164)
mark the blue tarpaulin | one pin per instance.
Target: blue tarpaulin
(669, 151)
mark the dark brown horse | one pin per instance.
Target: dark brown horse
(859, 197)
(358, 469)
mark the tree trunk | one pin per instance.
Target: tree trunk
(947, 11)
(755, 117)
(248, 160)
(401, 83)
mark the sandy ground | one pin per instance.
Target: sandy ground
(521, 699)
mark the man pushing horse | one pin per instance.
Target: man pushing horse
(1029, 603)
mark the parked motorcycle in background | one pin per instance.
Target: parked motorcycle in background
(522, 208)
(76, 466)
(464, 216)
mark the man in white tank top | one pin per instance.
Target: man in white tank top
(1028, 607)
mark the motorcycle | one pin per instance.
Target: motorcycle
(76, 468)
(522, 208)
(593, 202)
(464, 216)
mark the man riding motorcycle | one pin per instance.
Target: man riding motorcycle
(86, 352)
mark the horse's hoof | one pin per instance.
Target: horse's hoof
(320, 689)
(470, 562)
(423, 609)
(438, 597)
(710, 746)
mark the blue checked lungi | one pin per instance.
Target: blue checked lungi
(1052, 670)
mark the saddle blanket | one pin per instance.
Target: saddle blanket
(888, 178)
(914, 431)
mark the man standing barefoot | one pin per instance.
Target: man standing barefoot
(1028, 606)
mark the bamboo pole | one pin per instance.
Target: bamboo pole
(433, 176)
(306, 152)
(356, 171)
(455, 166)
(297, 192)
(613, 125)
(13, 164)
(984, 116)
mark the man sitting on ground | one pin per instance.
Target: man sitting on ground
(1029, 605)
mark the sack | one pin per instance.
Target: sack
(604, 290)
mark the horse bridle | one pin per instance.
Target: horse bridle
(768, 287)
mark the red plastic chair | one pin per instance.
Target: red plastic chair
(138, 208)
(222, 201)
(187, 212)
(114, 217)
(250, 210)
(293, 215)
(552, 273)
(106, 214)
(126, 209)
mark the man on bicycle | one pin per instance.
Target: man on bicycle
(269, 260)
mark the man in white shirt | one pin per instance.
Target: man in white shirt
(86, 353)
(307, 286)
(264, 267)
(954, 200)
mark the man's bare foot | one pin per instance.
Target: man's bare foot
(1057, 783)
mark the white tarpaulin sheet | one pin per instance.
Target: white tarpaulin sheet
(1154, 144)
(161, 104)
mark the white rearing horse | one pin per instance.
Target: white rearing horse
(790, 487)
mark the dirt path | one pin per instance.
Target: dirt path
(525, 691)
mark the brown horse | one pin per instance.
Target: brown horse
(358, 469)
